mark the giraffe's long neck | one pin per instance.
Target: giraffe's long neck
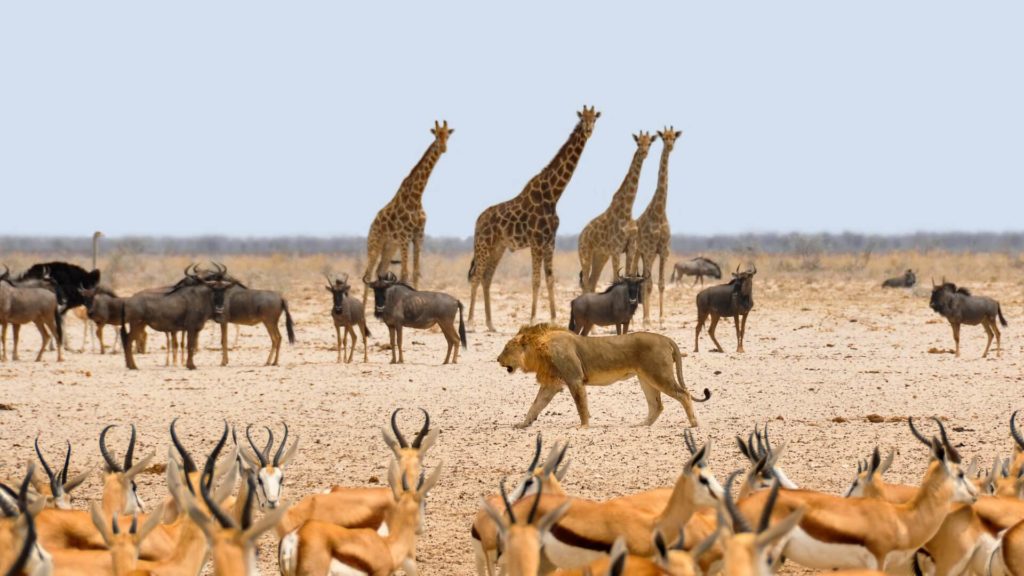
(416, 181)
(622, 202)
(660, 200)
(548, 185)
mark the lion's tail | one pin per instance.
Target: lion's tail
(677, 356)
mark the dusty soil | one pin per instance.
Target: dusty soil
(821, 357)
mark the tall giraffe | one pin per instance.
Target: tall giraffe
(653, 233)
(614, 231)
(528, 221)
(403, 219)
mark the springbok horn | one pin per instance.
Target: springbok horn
(398, 433)
(112, 464)
(1015, 432)
(739, 523)
(269, 444)
(187, 463)
(917, 434)
(55, 487)
(280, 449)
(129, 455)
(250, 480)
(536, 502)
(954, 455)
(423, 431)
(67, 464)
(766, 514)
(536, 455)
(259, 454)
(504, 498)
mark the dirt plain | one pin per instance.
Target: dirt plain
(826, 348)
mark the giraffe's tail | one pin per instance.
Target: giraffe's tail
(472, 269)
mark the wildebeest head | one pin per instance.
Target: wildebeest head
(441, 133)
(219, 289)
(338, 288)
(909, 279)
(943, 294)
(380, 291)
(635, 288)
(743, 282)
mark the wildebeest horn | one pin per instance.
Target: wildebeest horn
(737, 269)
(398, 433)
(423, 431)
(112, 464)
(1015, 432)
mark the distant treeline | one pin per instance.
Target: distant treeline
(771, 243)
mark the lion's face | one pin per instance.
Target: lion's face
(513, 356)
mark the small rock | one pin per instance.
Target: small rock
(875, 419)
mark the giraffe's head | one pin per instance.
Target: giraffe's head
(441, 132)
(588, 116)
(669, 135)
(643, 141)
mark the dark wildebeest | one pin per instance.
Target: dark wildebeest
(27, 301)
(103, 307)
(734, 299)
(906, 281)
(347, 312)
(960, 307)
(244, 306)
(613, 307)
(186, 308)
(698, 267)
(401, 306)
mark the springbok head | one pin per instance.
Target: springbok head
(410, 455)
(58, 490)
(269, 471)
(119, 491)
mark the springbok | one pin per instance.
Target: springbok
(57, 492)
(319, 548)
(748, 552)
(522, 536)
(20, 549)
(269, 471)
(839, 532)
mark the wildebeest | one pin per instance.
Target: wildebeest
(26, 301)
(734, 299)
(103, 307)
(698, 267)
(248, 307)
(184, 308)
(401, 306)
(906, 281)
(347, 312)
(960, 307)
(615, 306)
(66, 278)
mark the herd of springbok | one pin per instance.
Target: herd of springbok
(956, 520)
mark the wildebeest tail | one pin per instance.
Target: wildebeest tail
(1002, 320)
(572, 320)
(472, 269)
(124, 329)
(462, 328)
(58, 321)
(288, 324)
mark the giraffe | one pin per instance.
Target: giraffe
(403, 219)
(614, 231)
(528, 220)
(653, 232)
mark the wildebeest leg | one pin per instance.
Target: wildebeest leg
(341, 341)
(168, 350)
(695, 278)
(99, 336)
(224, 343)
(238, 331)
(3, 341)
(275, 343)
(739, 335)
(701, 317)
(956, 338)
(16, 330)
(366, 357)
(46, 340)
(452, 336)
(401, 351)
(192, 337)
(51, 324)
(988, 332)
(350, 332)
(544, 396)
(394, 346)
(586, 328)
(654, 405)
(999, 338)
(743, 328)
(711, 332)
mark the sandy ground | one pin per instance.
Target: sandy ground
(821, 356)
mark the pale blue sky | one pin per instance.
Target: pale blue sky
(271, 118)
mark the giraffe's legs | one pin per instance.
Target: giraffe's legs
(662, 260)
(404, 277)
(584, 252)
(417, 245)
(486, 265)
(549, 277)
(596, 267)
(537, 260)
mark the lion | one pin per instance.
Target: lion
(561, 358)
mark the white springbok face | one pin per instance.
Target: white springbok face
(269, 470)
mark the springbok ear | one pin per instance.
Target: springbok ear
(155, 518)
(431, 480)
(290, 453)
(618, 557)
(390, 440)
(887, 462)
(266, 523)
(96, 513)
(659, 544)
(972, 467)
(552, 517)
(428, 441)
(76, 481)
(394, 479)
(139, 467)
(781, 529)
